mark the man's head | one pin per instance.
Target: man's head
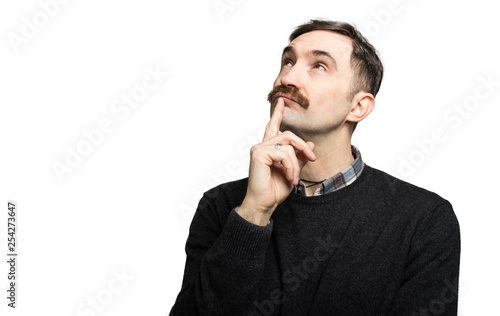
(332, 67)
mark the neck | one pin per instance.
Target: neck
(333, 154)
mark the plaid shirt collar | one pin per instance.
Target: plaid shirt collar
(339, 180)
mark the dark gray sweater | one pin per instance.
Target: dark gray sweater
(380, 246)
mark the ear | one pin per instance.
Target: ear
(362, 104)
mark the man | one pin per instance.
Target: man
(314, 230)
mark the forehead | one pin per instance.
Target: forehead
(338, 45)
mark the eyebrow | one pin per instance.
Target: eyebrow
(322, 53)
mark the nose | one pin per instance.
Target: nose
(292, 77)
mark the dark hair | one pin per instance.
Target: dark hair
(365, 61)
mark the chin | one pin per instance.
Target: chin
(288, 127)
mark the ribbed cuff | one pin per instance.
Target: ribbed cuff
(244, 239)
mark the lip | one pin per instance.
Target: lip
(284, 96)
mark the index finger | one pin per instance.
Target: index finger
(273, 127)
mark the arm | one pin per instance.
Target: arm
(430, 280)
(223, 265)
(225, 258)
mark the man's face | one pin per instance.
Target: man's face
(316, 74)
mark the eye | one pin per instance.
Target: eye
(320, 66)
(287, 62)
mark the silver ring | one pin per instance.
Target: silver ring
(278, 146)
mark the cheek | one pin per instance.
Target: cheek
(331, 105)
(325, 97)
(335, 96)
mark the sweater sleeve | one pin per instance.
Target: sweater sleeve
(430, 280)
(223, 264)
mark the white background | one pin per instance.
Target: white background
(125, 207)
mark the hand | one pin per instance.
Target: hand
(273, 172)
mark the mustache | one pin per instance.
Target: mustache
(292, 92)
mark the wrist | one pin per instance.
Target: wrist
(252, 216)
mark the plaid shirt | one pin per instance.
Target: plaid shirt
(339, 180)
